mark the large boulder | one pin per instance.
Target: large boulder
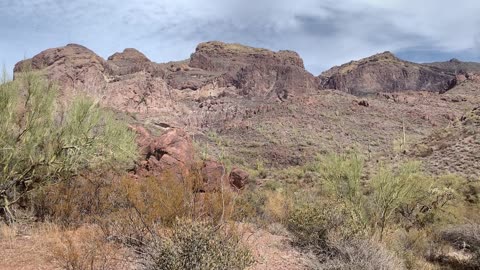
(212, 173)
(171, 153)
(238, 178)
(386, 73)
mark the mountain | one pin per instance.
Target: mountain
(255, 106)
(456, 66)
(385, 72)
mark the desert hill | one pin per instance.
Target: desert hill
(263, 106)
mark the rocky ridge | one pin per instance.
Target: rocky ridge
(385, 72)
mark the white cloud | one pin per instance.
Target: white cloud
(324, 32)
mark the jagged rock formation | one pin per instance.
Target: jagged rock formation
(180, 93)
(386, 73)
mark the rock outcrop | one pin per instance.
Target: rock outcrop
(71, 66)
(171, 152)
(255, 72)
(386, 73)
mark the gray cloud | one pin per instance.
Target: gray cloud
(325, 32)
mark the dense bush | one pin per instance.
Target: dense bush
(195, 245)
(40, 143)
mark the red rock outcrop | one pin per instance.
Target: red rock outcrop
(171, 152)
(71, 66)
(255, 72)
(386, 73)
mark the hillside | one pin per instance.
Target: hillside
(238, 158)
(263, 106)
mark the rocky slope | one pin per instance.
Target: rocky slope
(454, 149)
(385, 72)
(254, 106)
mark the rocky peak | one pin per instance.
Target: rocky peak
(218, 56)
(129, 55)
(70, 65)
(384, 72)
(255, 72)
(129, 61)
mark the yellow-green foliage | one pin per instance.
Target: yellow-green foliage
(391, 190)
(39, 143)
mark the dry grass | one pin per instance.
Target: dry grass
(85, 249)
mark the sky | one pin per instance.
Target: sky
(324, 32)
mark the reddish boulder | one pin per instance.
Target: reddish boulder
(172, 152)
(212, 174)
(238, 178)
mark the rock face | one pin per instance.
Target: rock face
(177, 91)
(255, 72)
(386, 73)
(129, 61)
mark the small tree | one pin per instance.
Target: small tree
(39, 144)
(342, 174)
(393, 190)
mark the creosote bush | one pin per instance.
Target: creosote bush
(41, 144)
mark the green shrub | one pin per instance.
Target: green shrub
(310, 225)
(195, 245)
(40, 144)
(391, 190)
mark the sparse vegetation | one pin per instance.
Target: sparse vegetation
(41, 143)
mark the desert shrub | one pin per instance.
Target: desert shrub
(277, 206)
(195, 245)
(41, 144)
(81, 199)
(249, 206)
(342, 176)
(357, 254)
(465, 237)
(310, 225)
(412, 246)
(404, 188)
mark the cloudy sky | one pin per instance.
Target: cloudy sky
(324, 32)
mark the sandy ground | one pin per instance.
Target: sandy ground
(30, 249)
